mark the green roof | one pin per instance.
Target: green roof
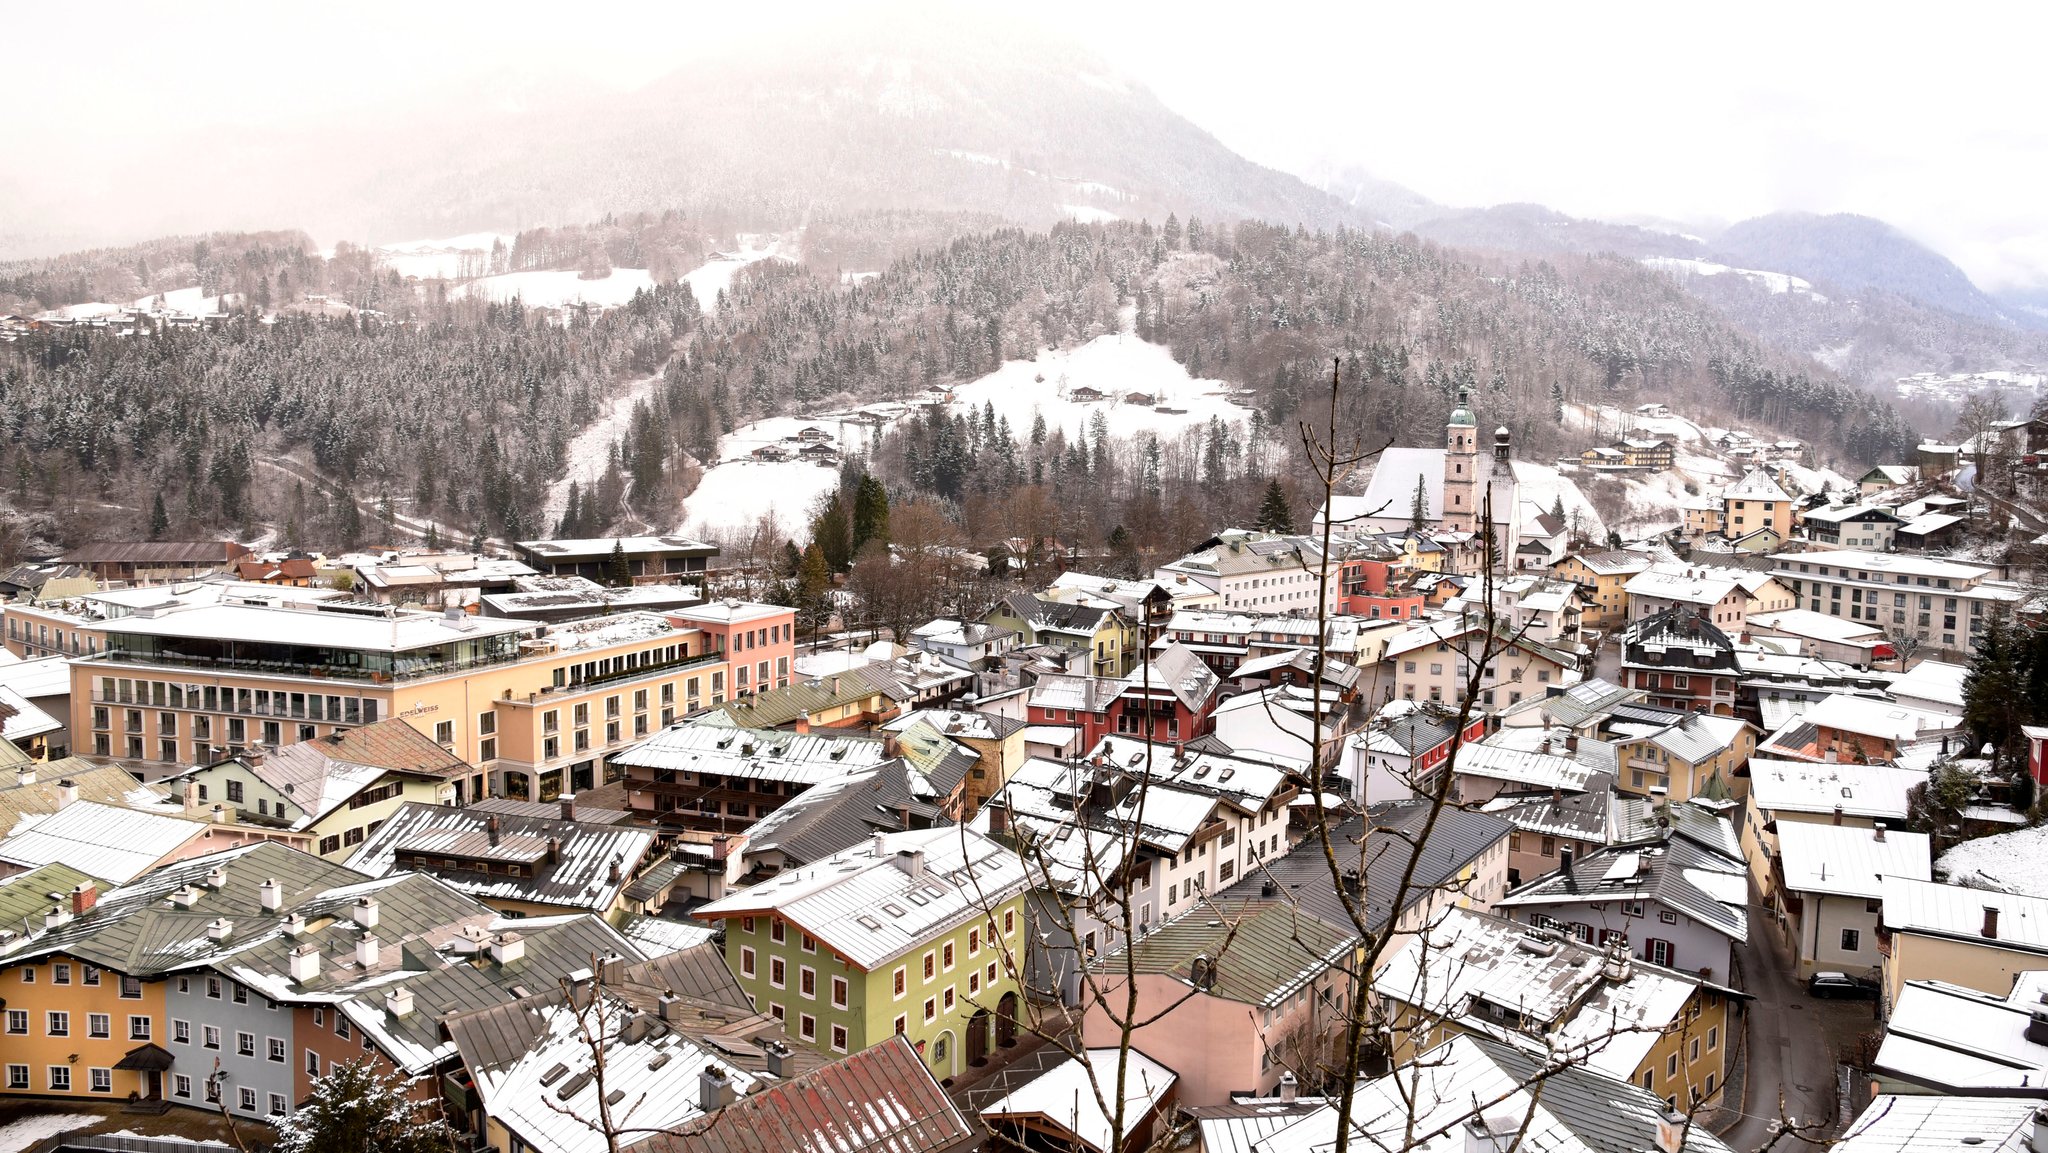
(1462, 415)
(24, 898)
(1262, 950)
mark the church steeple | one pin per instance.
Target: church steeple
(1461, 467)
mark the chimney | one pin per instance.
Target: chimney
(1991, 921)
(220, 815)
(803, 722)
(189, 795)
(568, 803)
(835, 684)
(1288, 1086)
(364, 912)
(998, 820)
(219, 928)
(84, 897)
(366, 951)
(778, 1059)
(1571, 742)
(665, 1007)
(216, 878)
(1564, 859)
(881, 844)
(2037, 1140)
(911, 861)
(1616, 966)
(507, 948)
(611, 969)
(1670, 1131)
(67, 792)
(294, 924)
(1877, 831)
(714, 1089)
(491, 828)
(184, 896)
(305, 962)
(399, 1001)
(56, 917)
(554, 850)
(271, 895)
(1838, 814)
(25, 776)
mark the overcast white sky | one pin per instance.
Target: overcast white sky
(1928, 116)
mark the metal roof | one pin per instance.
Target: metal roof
(104, 840)
(1847, 861)
(572, 865)
(1262, 949)
(1918, 905)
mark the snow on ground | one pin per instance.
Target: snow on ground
(1541, 486)
(443, 259)
(857, 277)
(1097, 188)
(557, 287)
(1777, 282)
(86, 311)
(1834, 358)
(590, 451)
(715, 276)
(192, 300)
(738, 491)
(24, 1132)
(973, 157)
(1810, 480)
(1087, 214)
(2005, 862)
(1118, 365)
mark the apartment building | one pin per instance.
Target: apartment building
(915, 933)
(1940, 603)
(196, 678)
(1256, 572)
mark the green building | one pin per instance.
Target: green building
(919, 933)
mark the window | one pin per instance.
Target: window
(248, 1099)
(138, 1027)
(313, 1062)
(1852, 940)
(1010, 915)
(277, 1052)
(948, 998)
(235, 792)
(1660, 952)
(746, 924)
(1693, 1053)
(90, 976)
(1671, 1067)
(839, 1038)
(900, 981)
(902, 1025)
(60, 973)
(839, 992)
(181, 1085)
(746, 960)
(209, 1036)
(213, 987)
(99, 1025)
(946, 951)
(807, 1026)
(60, 1078)
(341, 1027)
(58, 1024)
(17, 1076)
(807, 944)
(181, 1032)
(1713, 1039)
(28, 974)
(277, 1104)
(777, 975)
(931, 1010)
(806, 981)
(930, 966)
(131, 988)
(245, 1044)
(102, 1080)
(777, 931)
(1667, 917)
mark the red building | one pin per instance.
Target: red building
(1682, 660)
(1170, 696)
(759, 639)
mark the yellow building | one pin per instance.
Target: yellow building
(75, 1030)
(534, 707)
(1696, 757)
(1756, 501)
(1605, 575)
(1975, 938)
(1105, 634)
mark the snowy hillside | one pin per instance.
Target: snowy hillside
(1118, 366)
(450, 259)
(556, 288)
(715, 275)
(739, 490)
(1777, 282)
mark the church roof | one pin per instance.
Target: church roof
(1461, 416)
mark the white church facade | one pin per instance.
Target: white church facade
(1462, 485)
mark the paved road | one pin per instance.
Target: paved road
(1788, 1042)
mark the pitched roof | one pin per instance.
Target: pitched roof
(838, 814)
(1918, 905)
(1070, 1096)
(1709, 887)
(879, 1100)
(1756, 484)
(1847, 861)
(104, 840)
(25, 897)
(1261, 950)
(706, 746)
(1918, 1123)
(568, 863)
(1948, 1038)
(41, 790)
(879, 899)
(1858, 790)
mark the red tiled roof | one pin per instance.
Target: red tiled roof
(880, 1100)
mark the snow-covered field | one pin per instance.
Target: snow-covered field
(715, 276)
(1777, 282)
(24, 1132)
(1542, 486)
(456, 256)
(2004, 863)
(192, 300)
(736, 492)
(558, 287)
(590, 451)
(1087, 214)
(1118, 365)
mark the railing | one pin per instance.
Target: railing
(412, 670)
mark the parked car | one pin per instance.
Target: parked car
(1841, 985)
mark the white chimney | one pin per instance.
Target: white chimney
(25, 776)
(507, 948)
(184, 896)
(294, 924)
(2038, 1139)
(1289, 1086)
(220, 815)
(67, 792)
(216, 878)
(399, 1001)
(305, 962)
(271, 895)
(364, 912)
(366, 951)
(714, 1089)
(219, 928)
(1670, 1131)
(58, 915)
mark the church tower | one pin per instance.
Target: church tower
(1461, 468)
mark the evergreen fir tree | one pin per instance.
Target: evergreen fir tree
(159, 519)
(1995, 687)
(618, 571)
(1274, 515)
(870, 512)
(1418, 511)
(354, 1109)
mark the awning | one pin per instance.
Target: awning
(146, 1058)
